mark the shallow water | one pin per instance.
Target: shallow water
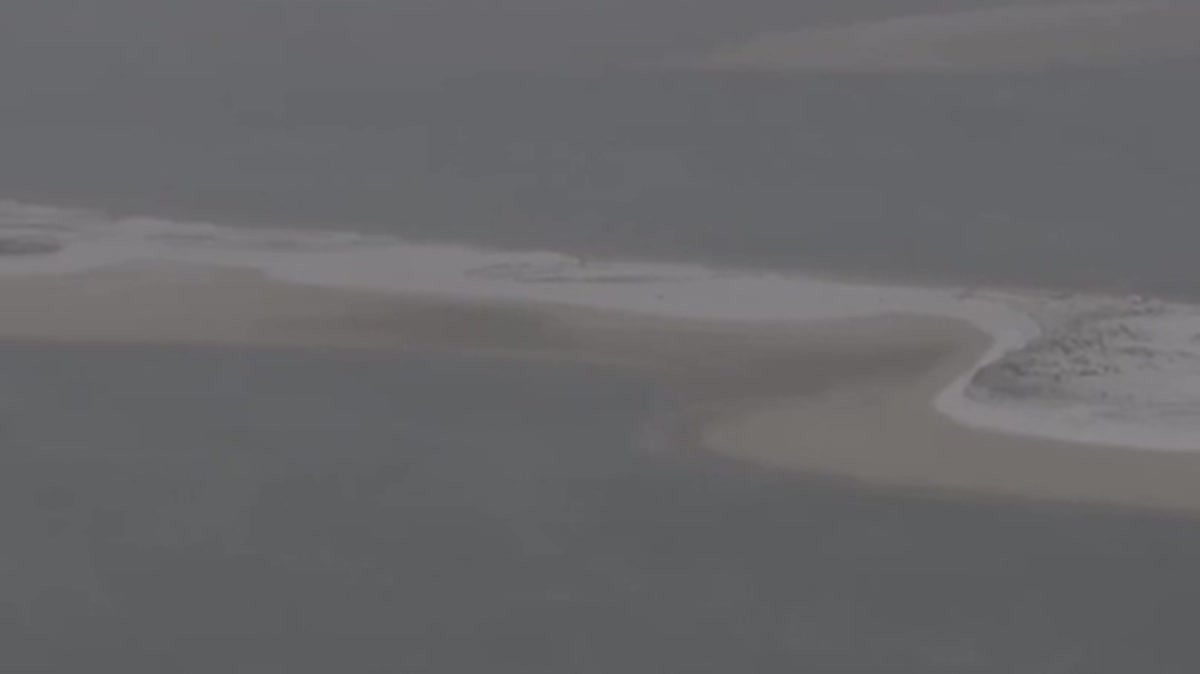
(185, 510)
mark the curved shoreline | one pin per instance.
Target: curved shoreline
(882, 430)
(847, 397)
(1065, 401)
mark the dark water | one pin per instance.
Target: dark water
(175, 510)
(1058, 178)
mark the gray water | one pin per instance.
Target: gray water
(1064, 179)
(186, 510)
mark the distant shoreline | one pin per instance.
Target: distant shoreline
(1110, 375)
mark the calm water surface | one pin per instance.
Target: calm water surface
(1059, 179)
(184, 510)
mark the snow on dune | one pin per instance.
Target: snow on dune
(1084, 34)
(1101, 370)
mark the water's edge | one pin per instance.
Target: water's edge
(1105, 370)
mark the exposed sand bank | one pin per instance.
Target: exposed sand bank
(879, 428)
(195, 305)
(843, 397)
(1095, 369)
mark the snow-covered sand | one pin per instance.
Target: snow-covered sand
(1091, 369)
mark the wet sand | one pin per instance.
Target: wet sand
(848, 398)
(882, 428)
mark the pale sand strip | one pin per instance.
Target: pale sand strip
(881, 429)
(848, 398)
(205, 305)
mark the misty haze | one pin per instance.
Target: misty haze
(595, 335)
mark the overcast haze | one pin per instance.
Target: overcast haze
(228, 508)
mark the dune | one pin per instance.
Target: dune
(1084, 35)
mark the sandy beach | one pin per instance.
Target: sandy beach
(848, 398)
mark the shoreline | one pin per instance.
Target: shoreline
(1043, 369)
(844, 398)
(883, 431)
(1049, 347)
